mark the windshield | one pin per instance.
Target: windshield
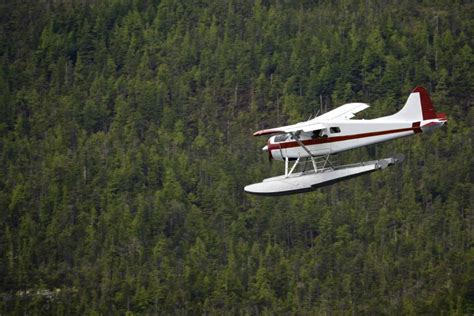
(282, 137)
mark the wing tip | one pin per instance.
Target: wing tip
(266, 132)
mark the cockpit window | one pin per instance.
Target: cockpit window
(316, 133)
(335, 130)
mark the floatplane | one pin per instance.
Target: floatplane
(313, 142)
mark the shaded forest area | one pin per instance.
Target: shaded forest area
(125, 144)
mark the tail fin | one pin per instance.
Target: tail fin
(418, 107)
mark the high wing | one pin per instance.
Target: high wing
(344, 112)
(307, 126)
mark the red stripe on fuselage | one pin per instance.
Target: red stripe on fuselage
(340, 138)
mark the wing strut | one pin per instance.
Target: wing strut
(298, 140)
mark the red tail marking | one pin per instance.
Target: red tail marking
(427, 108)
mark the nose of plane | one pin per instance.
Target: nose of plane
(267, 148)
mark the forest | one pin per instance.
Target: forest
(126, 141)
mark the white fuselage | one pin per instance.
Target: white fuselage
(339, 136)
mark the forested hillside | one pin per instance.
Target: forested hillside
(126, 141)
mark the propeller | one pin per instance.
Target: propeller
(265, 148)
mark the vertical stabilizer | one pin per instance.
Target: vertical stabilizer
(418, 107)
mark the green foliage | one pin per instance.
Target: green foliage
(125, 142)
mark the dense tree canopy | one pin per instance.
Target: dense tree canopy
(125, 144)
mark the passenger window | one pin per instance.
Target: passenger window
(335, 130)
